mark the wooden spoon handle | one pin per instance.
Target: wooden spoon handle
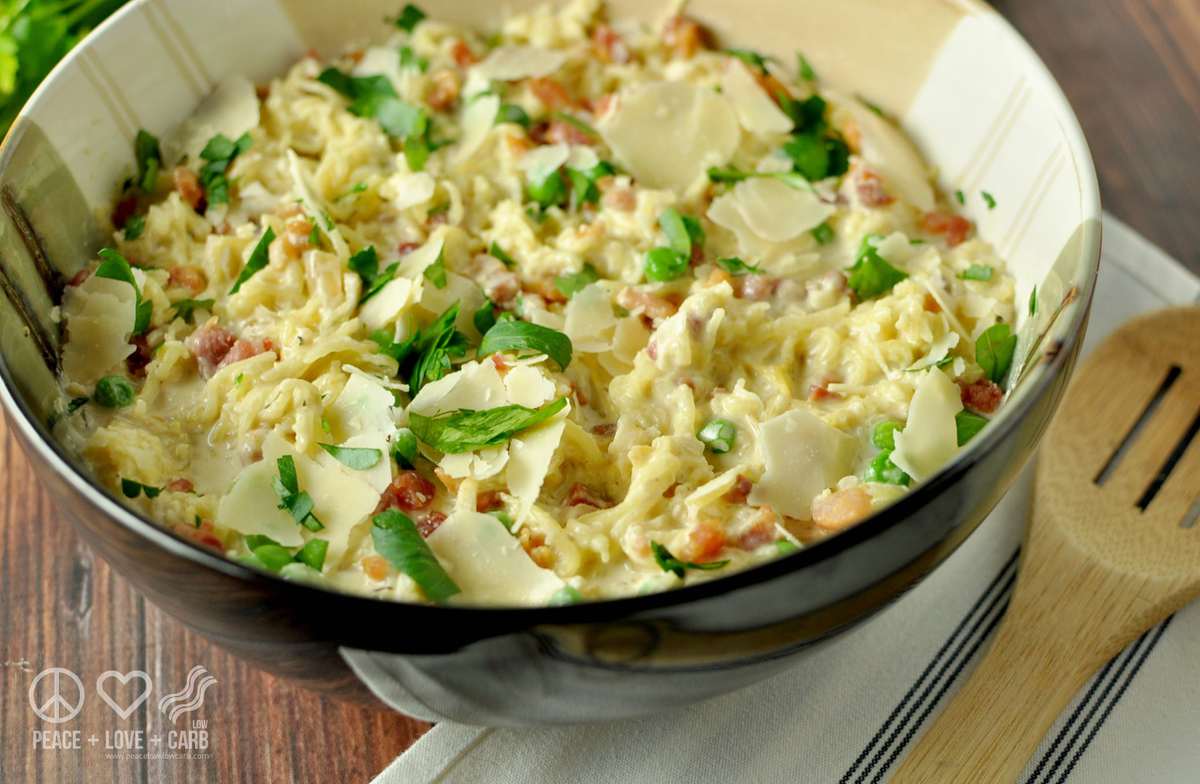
(993, 725)
(1067, 617)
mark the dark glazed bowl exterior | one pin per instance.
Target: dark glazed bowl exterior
(584, 662)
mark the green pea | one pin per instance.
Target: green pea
(114, 392)
(718, 435)
(665, 264)
(883, 435)
(884, 471)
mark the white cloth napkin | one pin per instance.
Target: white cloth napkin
(847, 711)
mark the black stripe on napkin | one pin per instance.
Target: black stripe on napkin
(965, 638)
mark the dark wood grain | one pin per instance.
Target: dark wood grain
(1132, 71)
(62, 607)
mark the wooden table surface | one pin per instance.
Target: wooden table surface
(1132, 71)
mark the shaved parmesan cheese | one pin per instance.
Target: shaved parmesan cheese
(802, 456)
(667, 134)
(341, 498)
(630, 337)
(477, 120)
(363, 406)
(230, 109)
(314, 206)
(938, 351)
(510, 63)
(489, 564)
(777, 212)
(758, 113)
(408, 189)
(590, 322)
(381, 61)
(889, 153)
(414, 264)
(378, 476)
(930, 437)
(527, 386)
(100, 317)
(460, 289)
(385, 306)
(539, 162)
(583, 158)
(529, 461)
(481, 464)
(252, 506)
(476, 386)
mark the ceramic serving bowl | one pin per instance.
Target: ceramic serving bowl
(980, 105)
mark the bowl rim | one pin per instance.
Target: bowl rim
(36, 435)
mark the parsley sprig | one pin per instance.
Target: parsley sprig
(298, 503)
(669, 563)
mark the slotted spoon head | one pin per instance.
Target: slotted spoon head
(1119, 471)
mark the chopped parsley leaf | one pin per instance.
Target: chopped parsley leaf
(132, 489)
(410, 16)
(994, 351)
(134, 227)
(464, 430)
(989, 200)
(669, 563)
(572, 283)
(872, 275)
(257, 261)
(736, 267)
(977, 272)
(185, 309)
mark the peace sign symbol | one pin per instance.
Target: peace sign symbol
(61, 702)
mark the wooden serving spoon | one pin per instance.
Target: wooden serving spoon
(1111, 551)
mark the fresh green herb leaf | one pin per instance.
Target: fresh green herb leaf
(358, 458)
(134, 227)
(805, 69)
(817, 157)
(579, 124)
(678, 237)
(883, 471)
(994, 351)
(291, 498)
(718, 435)
(465, 430)
(149, 160)
(968, 424)
(404, 448)
(314, 236)
(548, 191)
(669, 563)
(131, 489)
(272, 556)
(114, 392)
(808, 114)
(357, 187)
(505, 519)
(410, 59)
(365, 262)
(239, 378)
(736, 267)
(397, 539)
(727, 174)
(665, 264)
(114, 267)
(431, 350)
(823, 234)
(749, 57)
(511, 113)
(186, 308)
(1033, 301)
(958, 195)
(485, 318)
(219, 153)
(435, 273)
(400, 119)
(989, 200)
(416, 152)
(410, 16)
(312, 554)
(883, 435)
(495, 251)
(977, 272)
(257, 261)
(379, 281)
(564, 596)
(574, 282)
(785, 547)
(871, 275)
(516, 336)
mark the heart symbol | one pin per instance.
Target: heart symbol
(124, 678)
